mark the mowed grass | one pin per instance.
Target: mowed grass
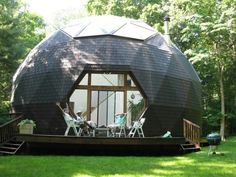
(190, 165)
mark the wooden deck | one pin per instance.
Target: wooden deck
(38, 138)
(59, 144)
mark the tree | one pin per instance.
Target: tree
(219, 40)
(61, 18)
(20, 30)
(205, 30)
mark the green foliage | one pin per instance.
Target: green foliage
(4, 110)
(26, 121)
(19, 32)
(63, 17)
(194, 165)
(5, 107)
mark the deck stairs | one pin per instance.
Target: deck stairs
(190, 147)
(11, 146)
(191, 133)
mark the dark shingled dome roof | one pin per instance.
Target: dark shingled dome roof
(107, 43)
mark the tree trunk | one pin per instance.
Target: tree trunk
(222, 98)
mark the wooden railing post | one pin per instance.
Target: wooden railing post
(191, 132)
(9, 129)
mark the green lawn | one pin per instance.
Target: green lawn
(195, 164)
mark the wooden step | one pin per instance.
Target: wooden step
(194, 148)
(11, 146)
(7, 152)
(7, 147)
(189, 147)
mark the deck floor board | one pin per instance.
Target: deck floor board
(39, 138)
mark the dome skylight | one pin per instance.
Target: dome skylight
(110, 25)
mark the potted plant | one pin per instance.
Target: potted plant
(26, 126)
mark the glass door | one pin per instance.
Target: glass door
(105, 104)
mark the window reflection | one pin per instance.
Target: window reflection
(84, 81)
(130, 82)
(78, 102)
(107, 79)
(135, 102)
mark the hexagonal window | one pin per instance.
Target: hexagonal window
(100, 96)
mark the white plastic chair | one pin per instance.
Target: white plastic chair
(120, 124)
(137, 127)
(72, 123)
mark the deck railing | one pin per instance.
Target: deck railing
(9, 129)
(192, 132)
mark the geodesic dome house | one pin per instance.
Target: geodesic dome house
(106, 65)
